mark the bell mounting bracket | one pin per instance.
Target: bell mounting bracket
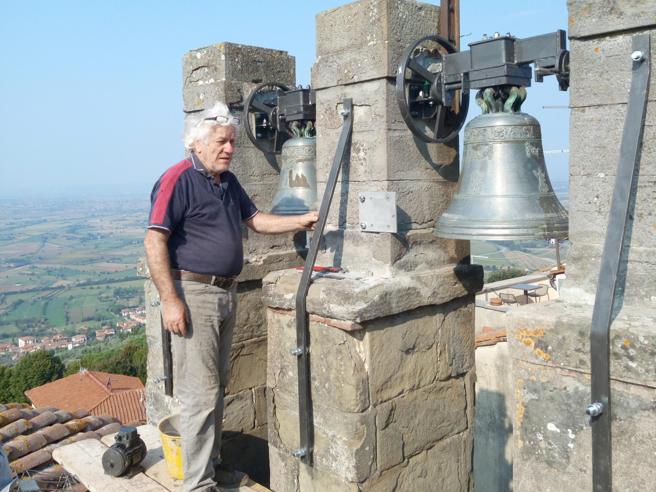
(433, 79)
(270, 110)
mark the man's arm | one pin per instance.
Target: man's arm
(174, 311)
(278, 224)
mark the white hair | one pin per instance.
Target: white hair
(197, 126)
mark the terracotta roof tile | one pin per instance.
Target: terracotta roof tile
(28, 437)
(128, 407)
(86, 390)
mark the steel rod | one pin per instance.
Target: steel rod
(599, 410)
(167, 359)
(302, 350)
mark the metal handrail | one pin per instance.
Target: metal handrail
(599, 411)
(302, 350)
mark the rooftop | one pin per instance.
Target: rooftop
(30, 435)
(99, 393)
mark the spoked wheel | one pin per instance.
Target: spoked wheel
(261, 117)
(419, 92)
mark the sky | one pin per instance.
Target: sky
(91, 90)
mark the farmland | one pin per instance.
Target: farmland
(68, 265)
(71, 265)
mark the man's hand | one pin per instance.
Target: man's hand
(278, 224)
(174, 311)
(306, 221)
(174, 316)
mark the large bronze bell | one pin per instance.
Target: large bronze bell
(297, 191)
(504, 191)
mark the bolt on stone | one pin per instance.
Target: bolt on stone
(299, 453)
(595, 409)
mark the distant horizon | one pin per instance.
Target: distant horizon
(82, 193)
(132, 192)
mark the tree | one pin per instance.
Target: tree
(33, 370)
(128, 359)
(6, 391)
(504, 274)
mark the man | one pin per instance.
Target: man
(194, 252)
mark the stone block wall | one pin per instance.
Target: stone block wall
(392, 393)
(392, 334)
(551, 372)
(550, 343)
(228, 72)
(360, 62)
(600, 83)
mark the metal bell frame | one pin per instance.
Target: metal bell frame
(504, 191)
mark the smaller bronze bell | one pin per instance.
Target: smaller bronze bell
(504, 191)
(297, 191)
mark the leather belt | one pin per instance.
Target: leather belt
(222, 282)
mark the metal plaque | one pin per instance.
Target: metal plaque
(377, 211)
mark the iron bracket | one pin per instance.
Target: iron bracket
(302, 350)
(599, 411)
(167, 360)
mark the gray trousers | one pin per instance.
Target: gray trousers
(201, 371)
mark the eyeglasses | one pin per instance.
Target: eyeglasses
(225, 120)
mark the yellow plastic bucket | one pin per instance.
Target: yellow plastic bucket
(171, 445)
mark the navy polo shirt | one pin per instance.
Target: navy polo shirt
(203, 218)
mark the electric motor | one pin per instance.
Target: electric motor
(128, 451)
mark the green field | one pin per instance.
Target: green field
(67, 308)
(62, 261)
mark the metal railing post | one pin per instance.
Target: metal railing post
(302, 350)
(599, 410)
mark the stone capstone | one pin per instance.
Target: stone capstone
(208, 70)
(371, 46)
(354, 298)
(590, 18)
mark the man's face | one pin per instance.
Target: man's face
(216, 152)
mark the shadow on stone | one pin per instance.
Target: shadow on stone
(247, 453)
(470, 276)
(493, 429)
(620, 284)
(450, 171)
(404, 225)
(343, 203)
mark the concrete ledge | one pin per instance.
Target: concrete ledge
(557, 334)
(357, 299)
(504, 284)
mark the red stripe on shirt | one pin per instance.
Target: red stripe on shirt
(166, 185)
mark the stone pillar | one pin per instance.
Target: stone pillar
(392, 337)
(550, 341)
(228, 72)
